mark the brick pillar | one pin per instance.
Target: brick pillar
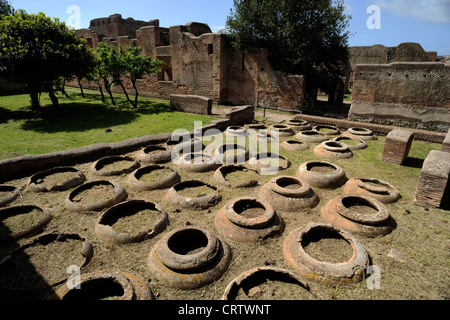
(397, 146)
(433, 186)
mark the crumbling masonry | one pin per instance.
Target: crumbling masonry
(199, 62)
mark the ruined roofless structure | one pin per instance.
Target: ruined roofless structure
(199, 62)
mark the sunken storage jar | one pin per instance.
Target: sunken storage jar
(189, 258)
(351, 269)
(360, 215)
(152, 220)
(333, 150)
(111, 285)
(372, 187)
(360, 134)
(289, 194)
(322, 174)
(248, 219)
(193, 194)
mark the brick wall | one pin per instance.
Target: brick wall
(413, 95)
(199, 62)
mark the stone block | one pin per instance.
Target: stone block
(446, 143)
(191, 104)
(433, 185)
(397, 146)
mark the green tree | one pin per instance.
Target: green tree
(5, 9)
(109, 68)
(137, 66)
(37, 50)
(307, 37)
(116, 65)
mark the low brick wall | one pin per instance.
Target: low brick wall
(191, 104)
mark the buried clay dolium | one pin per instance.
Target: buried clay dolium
(252, 279)
(358, 214)
(289, 194)
(189, 258)
(322, 174)
(11, 194)
(73, 204)
(104, 228)
(372, 187)
(248, 219)
(222, 176)
(30, 230)
(37, 182)
(136, 180)
(333, 149)
(197, 202)
(111, 285)
(350, 271)
(100, 167)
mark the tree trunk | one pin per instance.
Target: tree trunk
(35, 104)
(108, 89)
(63, 91)
(101, 90)
(81, 88)
(34, 95)
(126, 94)
(136, 97)
(52, 96)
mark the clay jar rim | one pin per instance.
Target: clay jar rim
(360, 131)
(182, 262)
(120, 195)
(15, 192)
(382, 215)
(296, 122)
(234, 146)
(335, 146)
(274, 185)
(361, 145)
(383, 190)
(103, 228)
(33, 186)
(258, 222)
(189, 157)
(116, 277)
(333, 129)
(310, 164)
(236, 130)
(111, 159)
(335, 272)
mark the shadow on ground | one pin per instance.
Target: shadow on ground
(77, 116)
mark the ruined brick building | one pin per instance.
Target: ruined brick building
(199, 62)
(401, 85)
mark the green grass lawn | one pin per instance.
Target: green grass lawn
(79, 122)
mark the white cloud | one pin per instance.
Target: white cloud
(431, 11)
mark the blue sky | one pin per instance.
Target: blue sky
(424, 21)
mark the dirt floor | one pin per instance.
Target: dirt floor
(412, 261)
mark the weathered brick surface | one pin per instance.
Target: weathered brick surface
(397, 146)
(415, 95)
(433, 185)
(199, 62)
(446, 143)
(191, 104)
